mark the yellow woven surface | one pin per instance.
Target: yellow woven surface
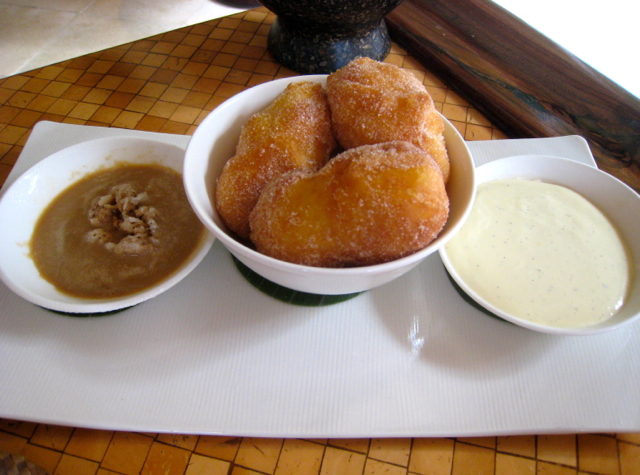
(168, 83)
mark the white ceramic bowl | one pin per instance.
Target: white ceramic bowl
(214, 142)
(618, 201)
(22, 203)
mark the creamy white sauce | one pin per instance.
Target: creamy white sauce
(543, 253)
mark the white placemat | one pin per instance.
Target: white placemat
(215, 356)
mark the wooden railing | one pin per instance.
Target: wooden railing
(527, 85)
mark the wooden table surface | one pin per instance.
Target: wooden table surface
(168, 83)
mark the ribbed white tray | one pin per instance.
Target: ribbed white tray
(216, 356)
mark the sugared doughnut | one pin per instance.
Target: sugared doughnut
(293, 132)
(368, 205)
(374, 102)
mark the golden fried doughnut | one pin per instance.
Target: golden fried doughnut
(368, 205)
(374, 102)
(294, 131)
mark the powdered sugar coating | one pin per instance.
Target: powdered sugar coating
(293, 132)
(374, 102)
(368, 205)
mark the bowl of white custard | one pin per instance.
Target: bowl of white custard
(550, 244)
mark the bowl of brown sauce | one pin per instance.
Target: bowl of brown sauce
(100, 226)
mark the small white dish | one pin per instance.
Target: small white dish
(214, 142)
(618, 201)
(22, 203)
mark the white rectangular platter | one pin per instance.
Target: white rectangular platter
(213, 355)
